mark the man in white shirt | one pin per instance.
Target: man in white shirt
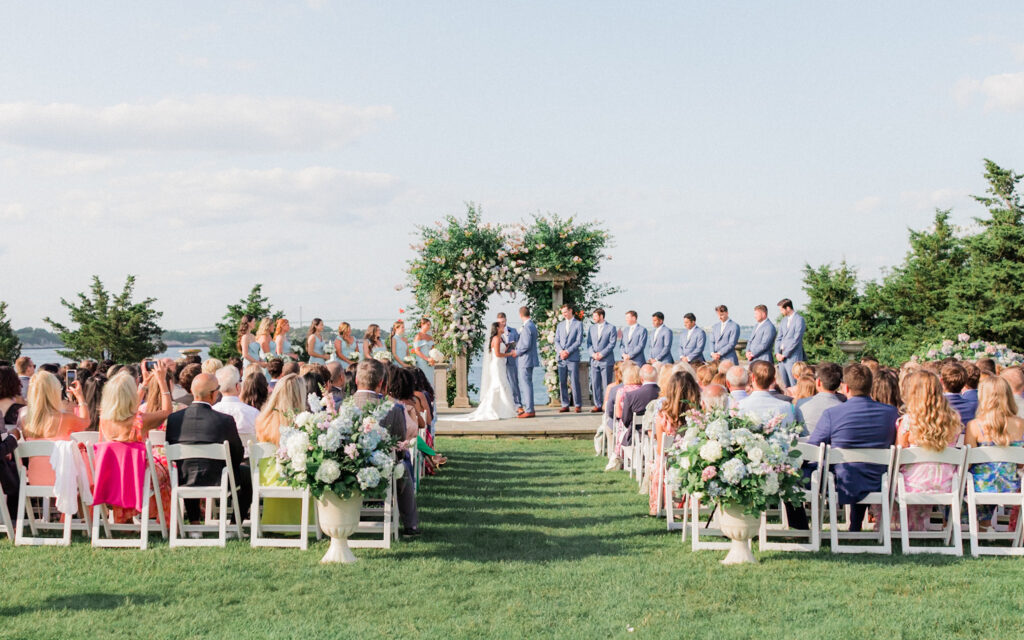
(230, 386)
(760, 402)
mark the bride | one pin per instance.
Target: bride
(496, 401)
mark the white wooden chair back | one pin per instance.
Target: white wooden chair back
(88, 438)
(257, 452)
(157, 438)
(882, 497)
(378, 522)
(952, 499)
(809, 454)
(666, 499)
(993, 454)
(220, 492)
(44, 449)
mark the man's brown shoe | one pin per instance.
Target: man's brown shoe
(596, 410)
(519, 411)
(564, 410)
(527, 414)
(578, 409)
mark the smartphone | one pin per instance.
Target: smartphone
(71, 375)
(150, 365)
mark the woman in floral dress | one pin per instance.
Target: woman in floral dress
(995, 424)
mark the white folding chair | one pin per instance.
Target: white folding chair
(809, 454)
(102, 514)
(665, 496)
(88, 438)
(950, 533)
(44, 449)
(157, 438)
(978, 455)
(882, 497)
(710, 514)
(219, 492)
(378, 522)
(6, 524)
(258, 451)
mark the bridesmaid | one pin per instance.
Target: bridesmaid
(315, 344)
(371, 342)
(421, 346)
(344, 345)
(247, 345)
(399, 343)
(282, 347)
(263, 337)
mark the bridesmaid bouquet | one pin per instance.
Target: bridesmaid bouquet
(353, 356)
(409, 361)
(382, 356)
(345, 451)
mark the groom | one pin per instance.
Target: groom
(509, 336)
(526, 359)
(568, 338)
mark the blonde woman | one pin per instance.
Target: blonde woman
(800, 369)
(211, 365)
(929, 423)
(264, 337)
(344, 345)
(44, 418)
(287, 399)
(371, 342)
(995, 424)
(804, 388)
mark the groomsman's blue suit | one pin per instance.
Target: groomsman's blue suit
(510, 337)
(569, 339)
(601, 370)
(790, 343)
(762, 343)
(661, 345)
(634, 346)
(723, 342)
(693, 346)
(526, 359)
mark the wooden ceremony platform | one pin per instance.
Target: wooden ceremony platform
(548, 424)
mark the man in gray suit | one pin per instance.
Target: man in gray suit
(693, 340)
(568, 340)
(634, 341)
(526, 359)
(601, 344)
(762, 341)
(827, 377)
(724, 337)
(509, 336)
(661, 340)
(789, 346)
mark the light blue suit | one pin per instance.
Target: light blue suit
(693, 346)
(790, 343)
(661, 345)
(723, 342)
(569, 339)
(601, 370)
(762, 342)
(634, 347)
(510, 365)
(526, 359)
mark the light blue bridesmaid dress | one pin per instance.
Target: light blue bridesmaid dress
(425, 346)
(318, 346)
(254, 351)
(401, 349)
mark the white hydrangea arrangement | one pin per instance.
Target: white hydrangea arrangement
(736, 459)
(345, 450)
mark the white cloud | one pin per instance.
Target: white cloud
(867, 204)
(1002, 92)
(945, 198)
(220, 123)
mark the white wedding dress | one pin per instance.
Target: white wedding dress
(496, 401)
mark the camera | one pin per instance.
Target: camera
(71, 375)
(150, 365)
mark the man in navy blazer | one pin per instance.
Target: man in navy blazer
(634, 405)
(724, 337)
(634, 340)
(789, 345)
(762, 341)
(954, 377)
(510, 336)
(692, 340)
(568, 340)
(858, 423)
(601, 344)
(661, 340)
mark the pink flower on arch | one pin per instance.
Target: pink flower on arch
(708, 473)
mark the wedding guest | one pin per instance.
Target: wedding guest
(789, 344)
(421, 346)
(827, 378)
(932, 424)
(274, 369)
(11, 400)
(289, 397)
(760, 402)
(185, 379)
(25, 369)
(996, 423)
(871, 363)
(692, 340)
(372, 342)
(682, 396)
(805, 388)
(398, 344)
(737, 380)
(724, 337)
(316, 346)
(211, 365)
(9, 480)
(336, 381)
(634, 405)
(255, 390)
(762, 340)
(970, 392)
(705, 374)
(858, 423)
(44, 418)
(714, 397)
(885, 388)
(315, 383)
(281, 345)
(633, 340)
(630, 381)
(401, 388)
(725, 365)
(610, 393)
(661, 340)
(954, 377)
(200, 424)
(230, 403)
(987, 365)
(345, 346)
(290, 367)
(264, 338)
(1015, 377)
(800, 369)
(601, 344)
(720, 380)
(247, 344)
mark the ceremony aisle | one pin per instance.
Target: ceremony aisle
(522, 539)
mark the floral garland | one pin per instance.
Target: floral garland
(963, 348)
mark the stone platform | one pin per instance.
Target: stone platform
(548, 424)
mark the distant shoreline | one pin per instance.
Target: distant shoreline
(169, 343)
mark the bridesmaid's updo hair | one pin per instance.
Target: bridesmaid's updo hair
(313, 325)
(344, 328)
(373, 333)
(279, 328)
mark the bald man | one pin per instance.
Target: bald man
(200, 424)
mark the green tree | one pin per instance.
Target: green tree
(835, 310)
(256, 305)
(988, 302)
(114, 327)
(10, 345)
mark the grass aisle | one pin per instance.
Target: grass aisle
(523, 539)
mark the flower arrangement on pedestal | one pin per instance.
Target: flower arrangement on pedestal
(963, 348)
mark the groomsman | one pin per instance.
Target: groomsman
(601, 344)
(724, 337)
(634, 341)
(568, 339)
(510, 336)
(661, 341)
(789, 345)
(760, 345)
(693, 340)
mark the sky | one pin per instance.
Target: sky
(205, 147)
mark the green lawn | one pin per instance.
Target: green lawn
(522, 539)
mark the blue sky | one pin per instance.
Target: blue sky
(208, 146)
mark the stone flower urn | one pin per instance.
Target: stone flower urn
(741, 350)
(339, 518)
(740, 528)
(851, 348)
